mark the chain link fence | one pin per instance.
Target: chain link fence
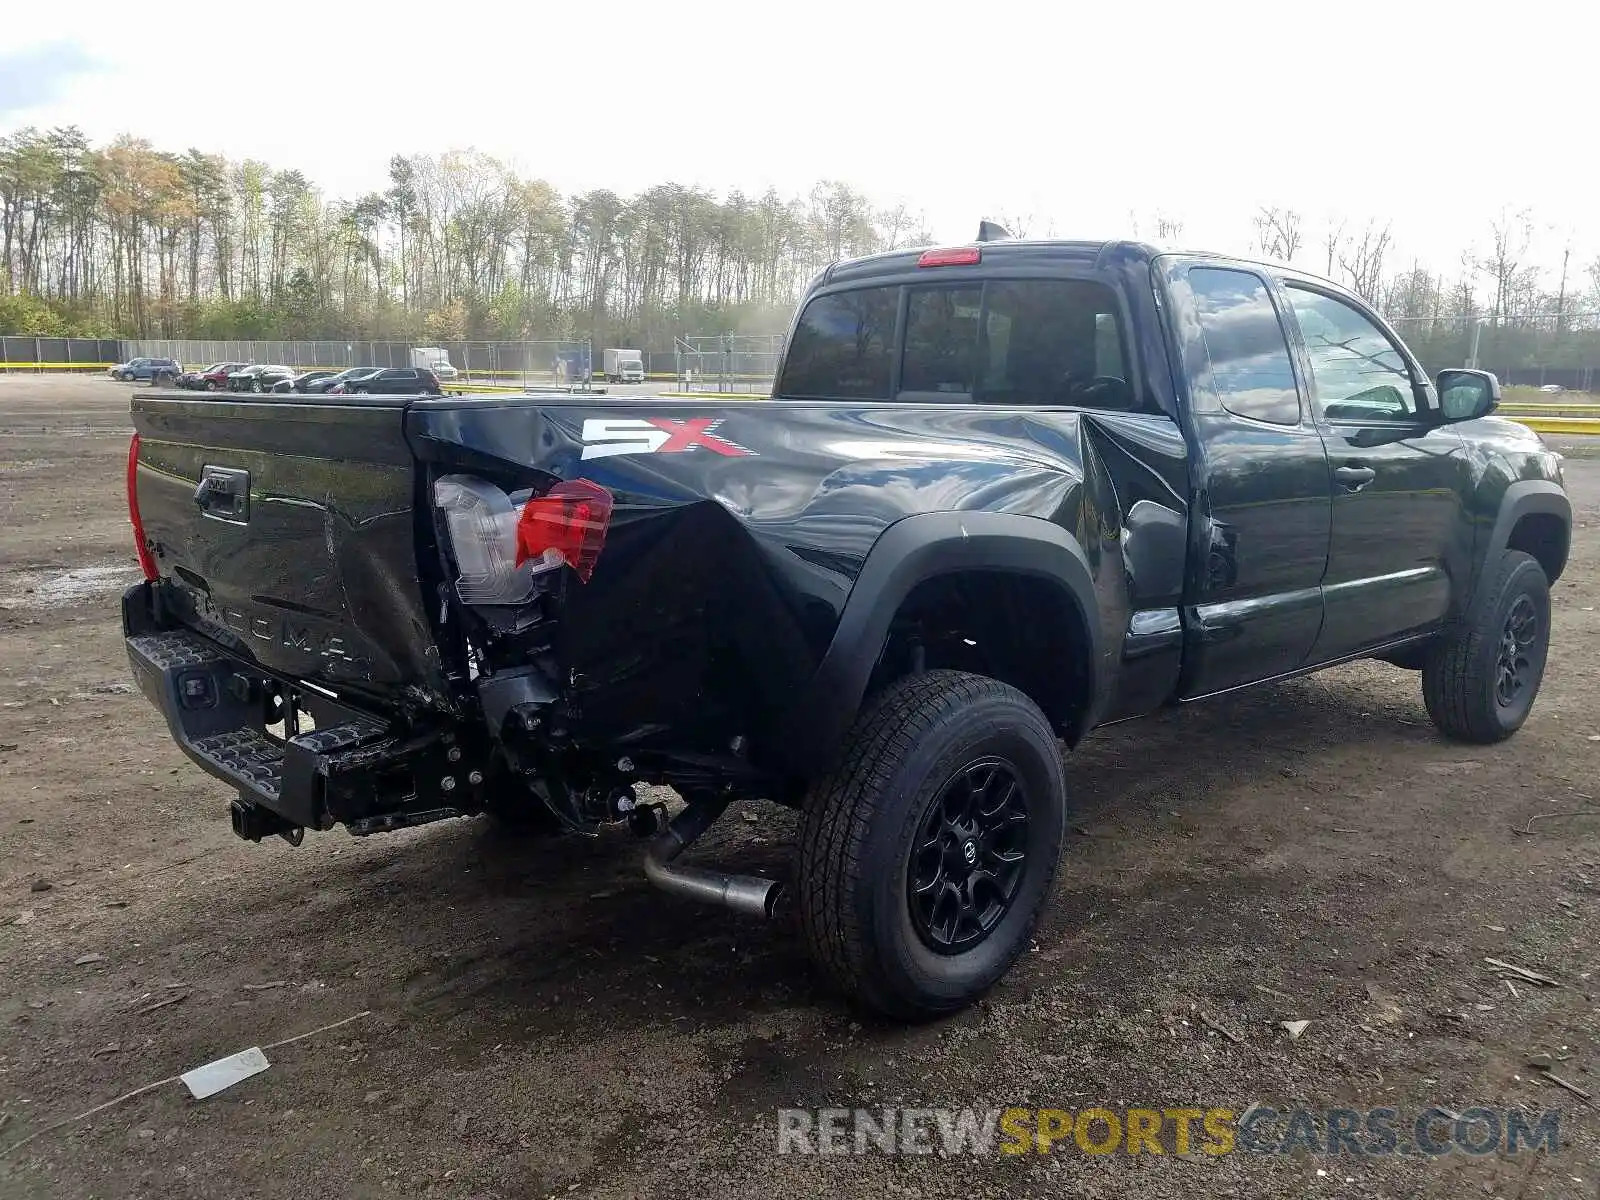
(58, 353)
(727, 362)
(1542, 350)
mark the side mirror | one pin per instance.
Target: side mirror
(1468, 395)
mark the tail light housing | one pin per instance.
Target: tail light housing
(141, 547)
(503, 544)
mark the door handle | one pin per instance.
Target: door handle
(1353, 477)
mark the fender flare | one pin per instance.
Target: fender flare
(1525, 497)
(909, 552)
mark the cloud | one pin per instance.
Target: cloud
(36, 76)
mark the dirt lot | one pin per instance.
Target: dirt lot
(542, 1023)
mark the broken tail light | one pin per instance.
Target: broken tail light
(567, 525)
(502, 544)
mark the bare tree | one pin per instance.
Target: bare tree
(1164, 228)
(1278, 233)
(1511, 234)
(1363, 263)
(1332, 240)
(1561, 290)
(1017, 224)
(894, 224)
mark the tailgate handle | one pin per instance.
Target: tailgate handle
(224, 494)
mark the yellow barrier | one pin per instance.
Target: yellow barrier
(1516, 411)
(1579, 426)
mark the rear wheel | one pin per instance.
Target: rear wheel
(1479, 683)
(925, 858)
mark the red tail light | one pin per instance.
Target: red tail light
(959, 256)
(568, 521)
(147, 560)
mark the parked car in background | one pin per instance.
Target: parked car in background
(210, 379)
(318, 387)
(300, 382)
(147, 369)
(392, 381)
(258, 378)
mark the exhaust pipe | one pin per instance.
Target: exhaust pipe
(748, 894)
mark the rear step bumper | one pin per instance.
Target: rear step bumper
(353, 769)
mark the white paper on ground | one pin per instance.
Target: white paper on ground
(224, 1073)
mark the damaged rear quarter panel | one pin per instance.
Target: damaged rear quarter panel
(724, 575)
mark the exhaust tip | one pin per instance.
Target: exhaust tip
(753, 895)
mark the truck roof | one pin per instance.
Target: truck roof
(1032, 252)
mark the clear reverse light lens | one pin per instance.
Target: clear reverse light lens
(483, 533)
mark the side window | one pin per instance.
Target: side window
(1359, 374)
(842, 345)
(1245, 346)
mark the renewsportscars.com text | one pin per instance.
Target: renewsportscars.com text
(1179, 1130)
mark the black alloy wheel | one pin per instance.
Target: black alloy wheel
(969, 858)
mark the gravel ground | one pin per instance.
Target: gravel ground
(541, 1023)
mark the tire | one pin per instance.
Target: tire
(1479, 682)
(915, 756)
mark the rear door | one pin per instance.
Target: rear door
(284, 526)
(1402, 538)
(1259, 542)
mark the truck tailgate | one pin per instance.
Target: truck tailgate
(285, 527)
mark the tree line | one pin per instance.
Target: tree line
(128, 240)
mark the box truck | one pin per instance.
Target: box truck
(435, 359)
(624, 366)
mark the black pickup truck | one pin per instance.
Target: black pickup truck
(1001, 494)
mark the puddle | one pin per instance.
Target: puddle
(49, 589)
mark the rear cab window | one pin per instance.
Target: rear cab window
(842, 346)
(1247, 353)
(1015, 342)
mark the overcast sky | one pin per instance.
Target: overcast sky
(1432, 117)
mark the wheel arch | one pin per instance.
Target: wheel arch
(1535, 517)
(1040, 558)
